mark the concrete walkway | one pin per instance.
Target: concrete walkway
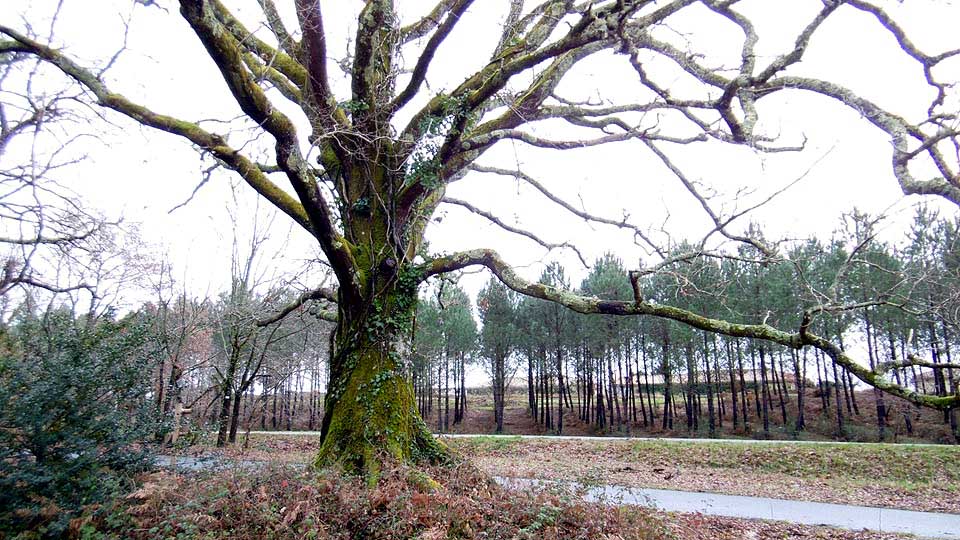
(922, 524)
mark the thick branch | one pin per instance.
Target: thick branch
(282, 62)
(315, 48)
(897, 128)
(323, 293)
(279, 30)
(425, 25)
(7, 283)
(426, 57)
(371, 73)
(914, 361)
(49, 240)
(312, 213)
(226, 53)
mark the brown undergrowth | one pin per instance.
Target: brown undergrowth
(284, 502)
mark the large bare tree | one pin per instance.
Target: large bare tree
(368, 167)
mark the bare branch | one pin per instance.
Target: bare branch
(913, 361)
(516, 230)
(287, 43)
(898, 129)
(719, 224)
(315, 49)
(282, 62)
(622, 224)
(213, 143)
(51, 240)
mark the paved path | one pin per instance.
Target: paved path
(923, 524)
(605, 438)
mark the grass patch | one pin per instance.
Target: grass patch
(487, 444)
(915, 465)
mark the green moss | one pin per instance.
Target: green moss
(491, 443)
(374, 417)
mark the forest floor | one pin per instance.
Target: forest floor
(921, 478)
(925, 478)
(901, 476)
(276, 501)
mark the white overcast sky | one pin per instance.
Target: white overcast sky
(141, 175)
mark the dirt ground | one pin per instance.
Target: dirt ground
(922, 478)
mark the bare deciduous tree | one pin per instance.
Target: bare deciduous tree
(371, 164)
(43, 228)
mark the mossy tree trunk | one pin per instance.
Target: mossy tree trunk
(370, 413)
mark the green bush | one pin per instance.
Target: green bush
(74, 404)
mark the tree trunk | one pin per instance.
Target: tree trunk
(756, 381)
(440, 397)
(667, 396)
(872, 352)
(638, 352)
(800, 382)
(463, 386)
(711, 418)
(954, 421)
(531, 394)
(223, 418)
(601, 416)
(766, 393)
(689, 396)
(743, 390)
(235, 416)
(824, 394)
(560, 386)
(369, 410)
(836, 387)
(779, 384)
(499, 391)
(446, 392)
(613, 398)
(733, 385)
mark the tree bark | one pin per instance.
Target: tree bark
(369, 411)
